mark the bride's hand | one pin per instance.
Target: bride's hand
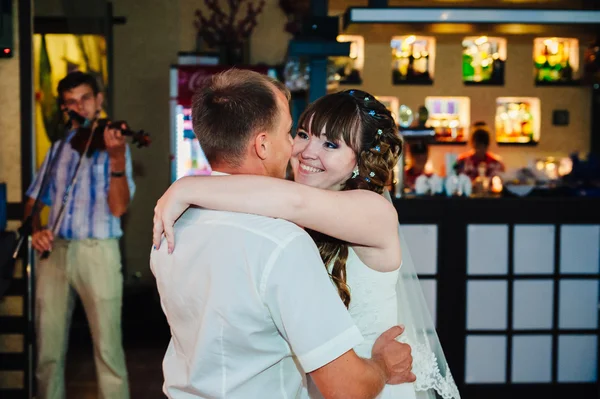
(166, 212)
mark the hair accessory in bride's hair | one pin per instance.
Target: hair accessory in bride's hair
(377, 148)
(372, 113)
(351, 92)
(367, 180)
(354, 173)
(372, 174)
(366, 98)
(379, 132)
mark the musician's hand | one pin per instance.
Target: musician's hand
(115, 142)
(42, 240)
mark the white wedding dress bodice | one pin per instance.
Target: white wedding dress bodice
(374, 309)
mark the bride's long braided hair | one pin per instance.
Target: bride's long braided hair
(367, 127)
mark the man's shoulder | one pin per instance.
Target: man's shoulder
(464, 156)
(279, 231)
(493, 157)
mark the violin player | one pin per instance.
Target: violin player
(88, 187)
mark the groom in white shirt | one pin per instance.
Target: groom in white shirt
(250, 304)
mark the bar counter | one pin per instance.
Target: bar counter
(530, 209)
(513, 287)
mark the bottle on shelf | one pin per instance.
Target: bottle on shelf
(468, 70)
(543, 65)
(481, 184)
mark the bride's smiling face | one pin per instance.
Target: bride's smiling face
(320, 162)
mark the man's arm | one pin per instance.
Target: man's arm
(118, 190)
(390, 363)
(312, 318)
(119, 193)
(34, 190)
(348, 377)
(37, 224)
(41, 239)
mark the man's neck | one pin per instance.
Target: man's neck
(419, 168)
(479, 156)
(244, 169)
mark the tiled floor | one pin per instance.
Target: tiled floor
(145, 337)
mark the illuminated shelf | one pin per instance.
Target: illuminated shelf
(518, 120)
(483, 60)
(349, 69)
(413, 60)
(450, 117)
(555, 61)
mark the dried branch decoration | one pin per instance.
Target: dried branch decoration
(225, 29)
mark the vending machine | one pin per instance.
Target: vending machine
(187, 157)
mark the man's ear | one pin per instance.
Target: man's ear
(261, 145)
(99, 100)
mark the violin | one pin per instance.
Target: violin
(80, 139)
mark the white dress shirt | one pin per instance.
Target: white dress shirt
(250, 306)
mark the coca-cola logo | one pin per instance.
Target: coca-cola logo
(197, 79)
(191, 78)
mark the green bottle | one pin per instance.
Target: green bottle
(468, 70)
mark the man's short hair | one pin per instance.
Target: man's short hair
(229, 108)
(481, 137)
(76, 79)
(419, 147)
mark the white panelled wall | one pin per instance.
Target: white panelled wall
(526, 311)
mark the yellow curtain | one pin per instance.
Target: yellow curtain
(65, 53)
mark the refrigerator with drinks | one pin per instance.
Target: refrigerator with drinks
(187, 157)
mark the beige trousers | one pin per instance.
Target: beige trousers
(92, 270)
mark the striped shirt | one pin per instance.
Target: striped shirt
(86, 214)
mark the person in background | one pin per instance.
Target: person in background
(85, 258)
(479, 125)
(419, 154)
(470, 162)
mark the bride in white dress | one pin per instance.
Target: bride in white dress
(345, 149)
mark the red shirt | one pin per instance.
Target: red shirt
(468, 163)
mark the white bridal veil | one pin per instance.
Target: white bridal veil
(429, 363)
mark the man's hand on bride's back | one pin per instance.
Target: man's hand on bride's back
(393, 357)
(166, 212)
